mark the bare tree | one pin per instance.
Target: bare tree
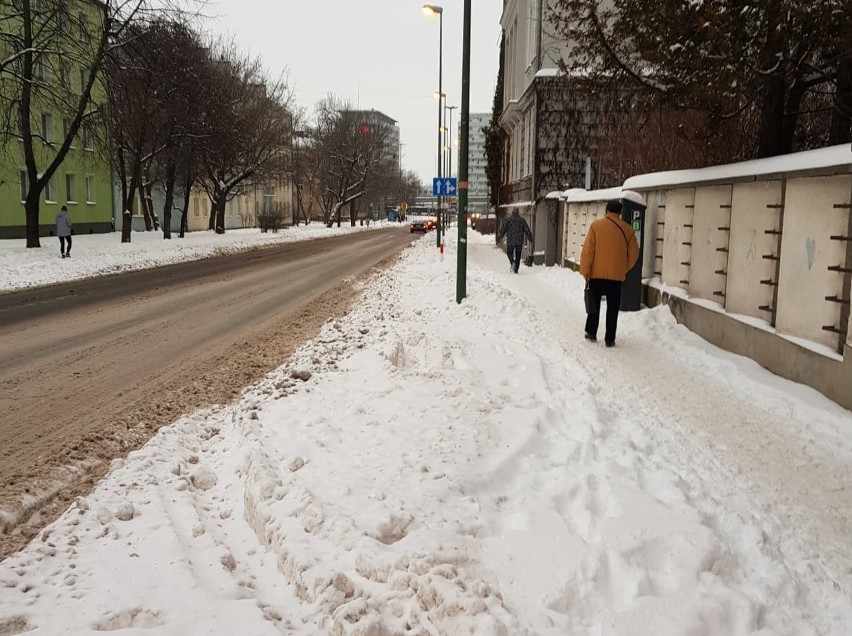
(352, 149)
(42, 41)
(308, 167)
(250, 113)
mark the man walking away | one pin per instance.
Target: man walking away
(609, 252)
(515, 228)
(63, 231)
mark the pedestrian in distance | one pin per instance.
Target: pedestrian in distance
(515, 229)
(63, 231)
(609, 252)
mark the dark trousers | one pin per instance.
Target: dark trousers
(611, 289)
(62, 240)
(514, 254)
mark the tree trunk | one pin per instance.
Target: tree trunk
(31, 209)
(184, 215)
(127, 212)
(771, 141)
(219, 207)
(167, 206)
(791, 116)
(145, 202)
(841, 115)
(154, 218)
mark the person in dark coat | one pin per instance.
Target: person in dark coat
(609, 252)
(63, 231)
(515, 229)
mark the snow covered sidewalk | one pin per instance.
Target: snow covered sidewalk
(431, 468)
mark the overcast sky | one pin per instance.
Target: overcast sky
(380, 54)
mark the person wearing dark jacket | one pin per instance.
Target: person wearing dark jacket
(63, 231)
(515, 229)
(609, 252)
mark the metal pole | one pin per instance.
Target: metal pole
(450, 141)
(440, 113)
(461, 264)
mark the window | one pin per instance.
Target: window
(64, 20)
(66, 128)
(532, 32)
(49, 191)
(83, 23)
(70, 187)
(25, 186)
(39, 70)
(90, 189)
(65, 75)
(84, 78)
(47, 128)
(195, 207)
(87, 137)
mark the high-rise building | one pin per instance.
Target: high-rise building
(386, 130)
(477, 193)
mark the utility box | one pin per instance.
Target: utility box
(633, 212)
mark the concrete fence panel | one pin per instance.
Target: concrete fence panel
(756, 209)
(815, 210)
(655, 219)
(677, 248)
(711, 226)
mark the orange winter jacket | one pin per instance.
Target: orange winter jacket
(610, 249)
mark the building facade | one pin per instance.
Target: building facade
(477, 193)
(549, 133)
(82, 181)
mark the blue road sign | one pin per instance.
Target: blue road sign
(445, 187)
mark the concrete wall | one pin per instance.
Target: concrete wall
(711, 226)
(578, 216)
(829, 376)
(677, 236)
(655, 220)
(773, 245)
(813, 213)
(755, 220)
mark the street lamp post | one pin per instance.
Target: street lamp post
(449, 145)
(448, 148)
(461, 262)
(431, 9)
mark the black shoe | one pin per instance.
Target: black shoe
(610, 344)
(62, 255)
(590, 337)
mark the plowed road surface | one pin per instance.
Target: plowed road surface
(90, 370)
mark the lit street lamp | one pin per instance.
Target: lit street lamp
(431, 9)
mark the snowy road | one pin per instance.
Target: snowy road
(431, 468)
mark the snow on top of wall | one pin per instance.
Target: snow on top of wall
(547, 72)
(833, 156)
(578, 195)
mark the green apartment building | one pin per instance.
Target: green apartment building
(67, 33)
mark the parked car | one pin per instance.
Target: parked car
(421, 223)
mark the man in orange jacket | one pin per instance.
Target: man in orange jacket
(609, 252)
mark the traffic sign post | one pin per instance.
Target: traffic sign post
(445, 187)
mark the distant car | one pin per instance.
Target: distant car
(421, 223)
